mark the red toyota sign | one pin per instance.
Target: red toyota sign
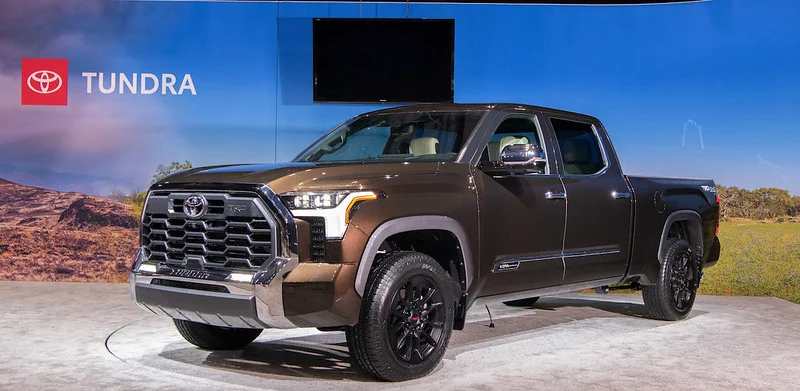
(44, 81)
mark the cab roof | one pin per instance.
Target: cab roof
(433, 107)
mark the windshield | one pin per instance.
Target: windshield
(436, 136)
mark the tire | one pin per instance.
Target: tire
(396, 338)
(527, 302)
(214, 337)
(673, 295)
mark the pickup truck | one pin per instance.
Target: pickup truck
(392, 225)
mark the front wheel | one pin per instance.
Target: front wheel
(672, 296)
(214, 337)
(406, 318)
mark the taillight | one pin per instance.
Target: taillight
(719, 202)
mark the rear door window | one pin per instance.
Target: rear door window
(581, 153)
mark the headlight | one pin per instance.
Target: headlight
(308, 200)
(335, 206)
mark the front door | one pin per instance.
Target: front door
(599, 204)
(522, 212)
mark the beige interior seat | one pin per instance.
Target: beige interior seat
(569, 152)
(577, 155)
(424, 146)
(509, 140)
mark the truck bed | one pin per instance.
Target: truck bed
(657, 200)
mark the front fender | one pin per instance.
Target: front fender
(407, 224)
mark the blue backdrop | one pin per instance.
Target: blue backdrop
(707, 89)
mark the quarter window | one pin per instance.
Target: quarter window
(580, 148)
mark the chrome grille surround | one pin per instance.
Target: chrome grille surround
(237, 232)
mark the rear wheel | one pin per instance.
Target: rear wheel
(214, 337)
(673, 295)
(406, 318)
(527, 302)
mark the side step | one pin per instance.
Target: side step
(603, 290)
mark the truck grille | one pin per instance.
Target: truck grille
(236, 232)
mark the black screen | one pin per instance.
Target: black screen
(383, 60)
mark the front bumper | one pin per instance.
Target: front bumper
(219, 299)
(286, 294)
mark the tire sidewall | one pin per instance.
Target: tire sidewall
(399, 272)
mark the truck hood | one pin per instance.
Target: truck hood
(284, 177)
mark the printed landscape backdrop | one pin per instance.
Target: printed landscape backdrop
(706, 89)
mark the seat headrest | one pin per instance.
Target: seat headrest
(424, 146)
(510, 140)
(575, 151)
(569, 152)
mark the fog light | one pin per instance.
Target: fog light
(148, 268)
(241, 277)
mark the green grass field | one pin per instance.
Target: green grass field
(758, 259)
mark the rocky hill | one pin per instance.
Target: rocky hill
(47, 235)
(89, 213)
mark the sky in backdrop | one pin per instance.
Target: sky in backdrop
(707, 89)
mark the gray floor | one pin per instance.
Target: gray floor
(90, 336)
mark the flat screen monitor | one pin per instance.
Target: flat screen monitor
(383, 60)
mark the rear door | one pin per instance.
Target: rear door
(599, 202)
(522, 211)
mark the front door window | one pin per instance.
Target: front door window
(514, 130)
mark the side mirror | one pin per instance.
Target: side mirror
(523, 155)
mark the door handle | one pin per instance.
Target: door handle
(620, 194)
(555, 196)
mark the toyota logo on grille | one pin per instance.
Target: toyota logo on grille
(44, 82)
(195, 206)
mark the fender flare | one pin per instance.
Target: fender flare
(695, 231)
(406, 224)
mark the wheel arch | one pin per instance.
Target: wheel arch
(690, 224)
(410, 224)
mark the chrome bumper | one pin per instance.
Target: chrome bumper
(232, 299)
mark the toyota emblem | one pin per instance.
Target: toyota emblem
(44, 82)
(195, 206)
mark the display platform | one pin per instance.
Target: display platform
(91, 336)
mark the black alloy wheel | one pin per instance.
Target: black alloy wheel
(416, 324)
(673, 294)
(682, 280)
(406, 319)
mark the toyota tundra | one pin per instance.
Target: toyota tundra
(392, 225)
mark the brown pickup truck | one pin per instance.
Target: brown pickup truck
(394, 223)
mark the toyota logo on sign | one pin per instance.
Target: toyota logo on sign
(45, 82)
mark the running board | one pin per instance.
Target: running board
(554, 290)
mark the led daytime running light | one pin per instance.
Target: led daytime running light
(355, 201)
